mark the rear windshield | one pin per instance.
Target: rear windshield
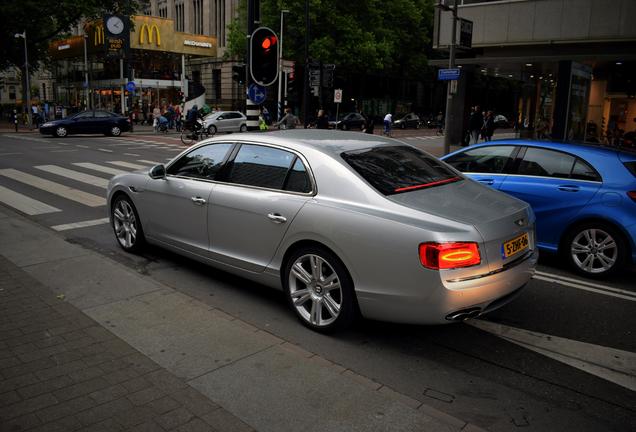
(631, 166)
(399, 169)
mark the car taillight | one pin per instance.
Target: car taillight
(438, 256)
(632, 195)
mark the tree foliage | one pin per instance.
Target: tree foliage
(47, 20)
(359, 36)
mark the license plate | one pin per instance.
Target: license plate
(514, 246)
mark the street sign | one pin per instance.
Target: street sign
(337, 96)
(131, 86)
(257, 93)
(287, 66)
(448, 74)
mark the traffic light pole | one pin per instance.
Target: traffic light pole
(306, 71)
(281, 76)
(251, 109)
(449, 118)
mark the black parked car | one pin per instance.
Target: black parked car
(87, 122)
(350, 121)
(411, 120)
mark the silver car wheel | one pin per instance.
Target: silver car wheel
(61, 131)
(315, 290)
(115, 131)
(125, 224)
(594, 251)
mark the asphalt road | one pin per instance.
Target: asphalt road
(561, 357)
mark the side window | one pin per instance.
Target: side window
(84, 115)
(102, 114)
(204, 162)
(260, 166)
(234, 115)
(583, 171)
(491, 160)
(298, 178)
(546, 163)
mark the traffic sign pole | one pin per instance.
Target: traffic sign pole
(337, 98)
(449, 119)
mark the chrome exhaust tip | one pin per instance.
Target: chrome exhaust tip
(464, 314)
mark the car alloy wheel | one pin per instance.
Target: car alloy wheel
(212, 130)
(127, 225)
(319, 289)
(243, 128)
(595, 250)
(61, 131)
(115, 131)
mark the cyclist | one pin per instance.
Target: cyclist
(192, 121)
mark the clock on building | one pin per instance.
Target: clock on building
(115, 25)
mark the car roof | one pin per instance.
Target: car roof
(329, 142)
(574, 148)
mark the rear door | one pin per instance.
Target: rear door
(263, 190)
(83, 122)
(488, 165)
(556, 184)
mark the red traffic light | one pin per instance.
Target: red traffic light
(264, 56)
(269, 42)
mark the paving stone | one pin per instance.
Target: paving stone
(86, 374)
(174, 418)
(142, 397)
(108, 425)
(194, 401)
(165, 404)
(66, 424)
(223, 420)
(9, 398)
(136, 384)
(45, 386)
(148, 426)
(165, 380)
(17, 382)
(81, 388)
(60, 370)
(27, 406)
(196, 425)
(121, 375)
(135, 416)
(19, 423)
(104, 411)
(29, 367)
(108, 394)
(65, 409)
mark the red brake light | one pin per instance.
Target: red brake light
(438, 256)
(632, 195)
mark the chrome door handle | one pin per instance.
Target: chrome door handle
(489, 182)
(277, 218)
(568, 188)
(198, 200)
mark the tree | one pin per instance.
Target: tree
(360, 37)
(48, 20)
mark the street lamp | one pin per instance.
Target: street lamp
(88, 104)
(280, 66)
(26, 69)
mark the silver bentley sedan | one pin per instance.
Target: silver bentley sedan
(344, 223)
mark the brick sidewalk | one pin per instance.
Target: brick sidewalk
(62, 371)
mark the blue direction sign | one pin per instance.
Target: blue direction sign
(131, 86)
(448, 74)
(257, 93)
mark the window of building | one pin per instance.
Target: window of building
(179, 16)
(219, 21)
(216, 83)
(197, 9)
(12, 92)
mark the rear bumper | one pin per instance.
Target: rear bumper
(486, 293)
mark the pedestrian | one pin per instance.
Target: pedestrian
(322, 122)
(388, 121)
(542, 128)
(368, 124)
(156, 113)
(177, 117)
(289, 120)
(488, 128)
(475, 123)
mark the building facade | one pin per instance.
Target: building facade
(574, 60)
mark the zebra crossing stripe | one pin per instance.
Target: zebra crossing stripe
(148, 162)
(83, 224)
(24, 203)
(100, 168)
(54, 188)
(127, 164)
(75, 175)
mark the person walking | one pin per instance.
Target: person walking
(322, 122)
(156, 113)
(388, 121)
(289, 121)
(488, 128)
(475, 123)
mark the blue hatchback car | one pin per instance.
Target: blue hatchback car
(584, 197)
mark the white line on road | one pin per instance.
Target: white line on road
(586, 286)
(104, 150)
(24, 203)
(611, 364)
(54, 188)
(64, 151)
(132, 154)
(75, 175)
(148, 162)
(10, 154)
(82, 224)
(100, 168)
(127, 164)
(81, 146)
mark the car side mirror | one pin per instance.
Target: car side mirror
(158, 172)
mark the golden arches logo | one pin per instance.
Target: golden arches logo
(149, 30)
(99, 35)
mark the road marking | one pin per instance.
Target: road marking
(75, 175)
(105, 150)
(148, 162)
(10, 154)
(81, 146)
(64, 151)
(28, 138)
(586, 286)
(127, 164)
(55, 188)
(611, 364)
(24, 203)
(132, 154)
(95, 167)
(82, 224)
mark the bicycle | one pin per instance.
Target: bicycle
(189, 136)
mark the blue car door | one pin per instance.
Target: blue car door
(486, 164)
(552, 183)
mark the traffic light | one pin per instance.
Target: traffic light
(264, 56)
(238, 73)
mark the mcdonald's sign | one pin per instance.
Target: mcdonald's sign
(98, 37)
(149, 30)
